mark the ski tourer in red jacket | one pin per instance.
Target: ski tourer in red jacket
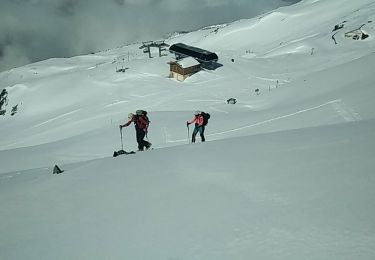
(141, 128)
(199, 127)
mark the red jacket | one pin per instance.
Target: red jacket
(198, 120)
(139, 122)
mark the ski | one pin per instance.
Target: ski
(120, 152)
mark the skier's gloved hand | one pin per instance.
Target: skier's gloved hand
(120, 127)
(187, 123)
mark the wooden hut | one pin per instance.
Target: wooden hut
(181, 69)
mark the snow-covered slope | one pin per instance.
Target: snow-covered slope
(285, 174)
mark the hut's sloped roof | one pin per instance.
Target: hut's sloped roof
(187, 62)
(197, 53)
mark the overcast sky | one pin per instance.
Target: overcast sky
(33, 30)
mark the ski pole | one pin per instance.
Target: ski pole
(146, 131)
(188, 132)
(122, 144)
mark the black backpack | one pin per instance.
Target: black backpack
(206, 116)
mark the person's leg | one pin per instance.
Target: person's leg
(201, 132)
(140, 135)
(148, 145)
(194, 134)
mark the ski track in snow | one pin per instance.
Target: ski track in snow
(205, 100)
(56, 118)
(115, 103)
(345, 112)
(218, 110)
(337, 105)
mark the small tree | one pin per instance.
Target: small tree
(14, 110)
(3, 101)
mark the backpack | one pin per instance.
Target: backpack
(231, 101)
(139, 115)
(206, 116)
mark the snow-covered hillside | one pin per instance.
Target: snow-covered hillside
(286, 173)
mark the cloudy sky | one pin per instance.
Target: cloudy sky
(33, 30)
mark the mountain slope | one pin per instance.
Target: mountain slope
(286, 173)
